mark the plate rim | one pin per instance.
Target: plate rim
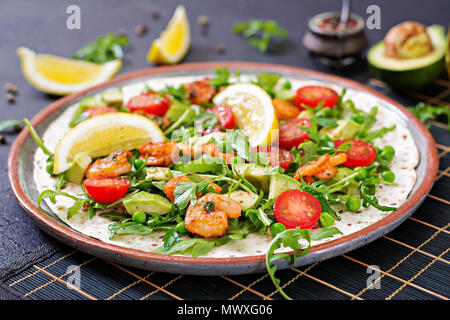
(115, 251)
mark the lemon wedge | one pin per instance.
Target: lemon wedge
(253, 111)
(173, 43)
(102, 135)
(61, 76)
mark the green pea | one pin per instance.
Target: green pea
(387, 153)
(362, 173)
(358, 118)
(276, 228)
(138, 163)
(353, 203)
(388, 176)
(139, 217)
(180, 228)
(49, 169)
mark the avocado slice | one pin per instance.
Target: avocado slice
(280, 183)
(113, 97)
(148, 203)
(176, 110)
(346, 129)
(410, 73)
(257, 175)
(78, 168)
(90, 102)
(246, 199)
(158, 174)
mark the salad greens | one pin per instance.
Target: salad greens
(266, 28)
(426, 112)
(186, 123)
(105, 48)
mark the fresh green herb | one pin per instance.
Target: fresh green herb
(170, 238)
(268, 81)
(195, 247)
(427, 112)
(290, 238)
(17, 125)
(186, 191)
(106, 48)
(221, 77)
(209, 206)
(267, 28)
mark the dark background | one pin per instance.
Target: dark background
(41, 26)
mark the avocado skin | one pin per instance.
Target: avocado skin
(410, 79)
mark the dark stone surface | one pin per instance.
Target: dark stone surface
(41, 26)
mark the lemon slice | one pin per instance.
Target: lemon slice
(104, 134)
(173, 43)
(253, 111)
(61, 76)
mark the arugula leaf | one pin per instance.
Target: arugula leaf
(368, 136)
(127, 227)
(73, 210)
(426, 112)
(325, 122)
(105, 48)
(290, 238)
(178, 93)
(221, 77)
(113, 215)
(36, 138)
(195, 246)
(324, 233)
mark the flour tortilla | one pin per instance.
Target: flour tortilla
(403, 165)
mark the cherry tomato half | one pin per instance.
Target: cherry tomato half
(290, 133)
(106, 189)
(360, 153)
(276, 156)
(94, 112)
(149, 103)
(312, 95)
(224, 114)
(295, 208)
(284, 109)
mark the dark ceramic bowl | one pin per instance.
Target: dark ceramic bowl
(20, 176)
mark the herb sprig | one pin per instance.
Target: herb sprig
(266, 28)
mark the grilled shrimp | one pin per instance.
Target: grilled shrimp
(112, 166)
(323, 168)
(208, 218)
(200, 91)
(159, 153)
(169, 189)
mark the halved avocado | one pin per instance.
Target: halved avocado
(410, 73)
